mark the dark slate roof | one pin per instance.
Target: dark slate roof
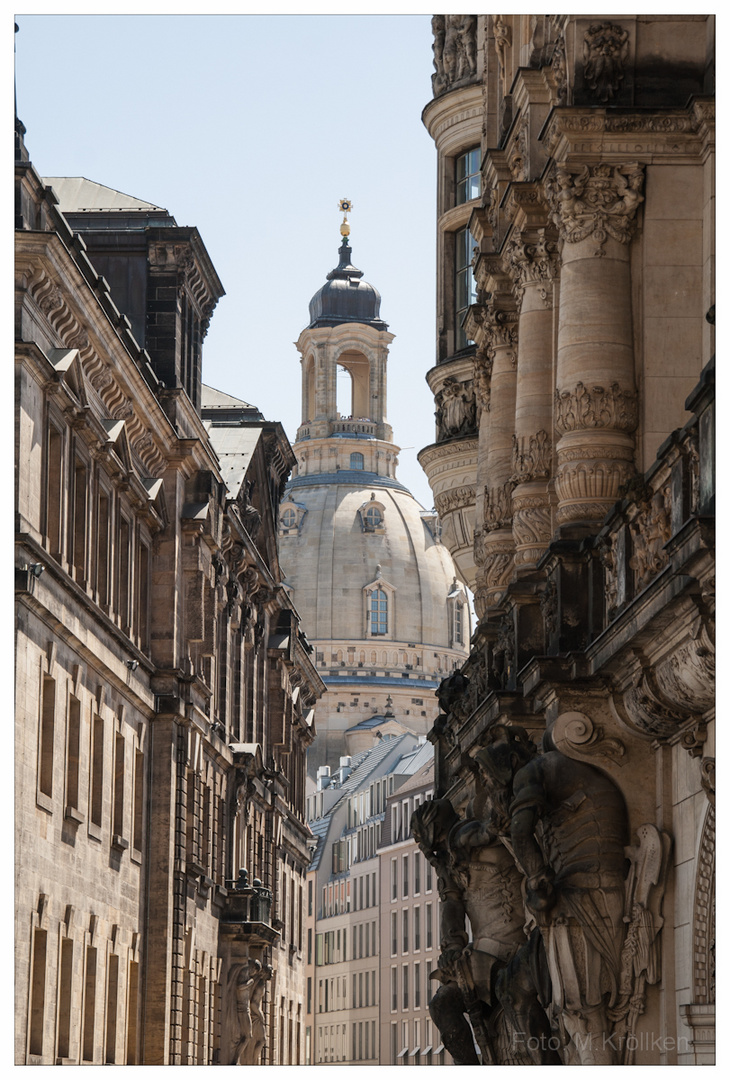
(351, 477)
(363, 765)
(345, 297)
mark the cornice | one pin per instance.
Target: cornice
(605, 132)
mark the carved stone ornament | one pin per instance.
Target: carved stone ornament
(518, 152)
(502, 43)
(707, 778)
(456, 409)
(454, 51)
(605, 48)
(531, 528)
(531, 457)
(501, 331)
(610, 578)
(448, 501)
(560, 816)
(535, 263)
(597, 201)
(549, 607)
(560, 71)
(498, 507)
(641, 953)
(650, 531)
(482, 381)
(596, 407)
(575, 735)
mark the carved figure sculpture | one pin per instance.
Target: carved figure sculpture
(243, 978)
(605, 47)
(258, 1023)
(477, 878)
(568, 828)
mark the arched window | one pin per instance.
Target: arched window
(357, 461)
(373, 517)
(288, 519)
(378, 612)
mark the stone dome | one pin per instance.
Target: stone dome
(346, 539)
(345, 297)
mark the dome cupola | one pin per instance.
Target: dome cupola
(345, 297)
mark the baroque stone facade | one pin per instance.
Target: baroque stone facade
(164, 688)
(575, 748)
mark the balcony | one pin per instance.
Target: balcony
(247, 911)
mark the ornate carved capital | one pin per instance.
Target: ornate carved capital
(596, 200)
(498, 506)
(531, 457)
(500, 331)
(532, 262)
(596, 407)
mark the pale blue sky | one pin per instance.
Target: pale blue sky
(252, 128)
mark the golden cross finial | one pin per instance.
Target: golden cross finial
(345, 207)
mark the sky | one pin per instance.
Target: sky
(252, 128)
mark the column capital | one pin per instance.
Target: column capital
(596, 201)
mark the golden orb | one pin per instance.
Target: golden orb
(345, 228)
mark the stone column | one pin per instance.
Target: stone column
(596, 412)
(493, 541)
(532, 261)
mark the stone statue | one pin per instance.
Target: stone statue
(248, 981)
(243, 978)
(454, 50)
(568, 829)
(478, 879)
(258, 1021)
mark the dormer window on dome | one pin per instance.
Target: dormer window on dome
(372, 515)
(291, 516)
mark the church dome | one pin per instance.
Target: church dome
(344, 542)
(345, 297)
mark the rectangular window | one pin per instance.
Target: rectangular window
(87, 1034)
(78, 535)
(416, 929)
(112, 990)
(464, 284)
(394, 989)
(54, 491)
(394, 1043)
(405, 931)
(394, 879)
(133, 993)
(367, 891)
(468, 176)
(405, 986)
(405, 876)
(73, 746)
(416, 986)
(429, 877)
(309, 994)
(361, 951)
(416, 874)
(102, 549)
(393, 933)
(138, 800)
(97, 770)
(429, 926)
(374, 939)
(310, 895)
(119, 750)
(65, 997)
(360, 996)
(367, 939)
(123, 574)
(38, 992)
(143, 597)
(429, 981)
(46, 740)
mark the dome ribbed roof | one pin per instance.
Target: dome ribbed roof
(345, 297)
